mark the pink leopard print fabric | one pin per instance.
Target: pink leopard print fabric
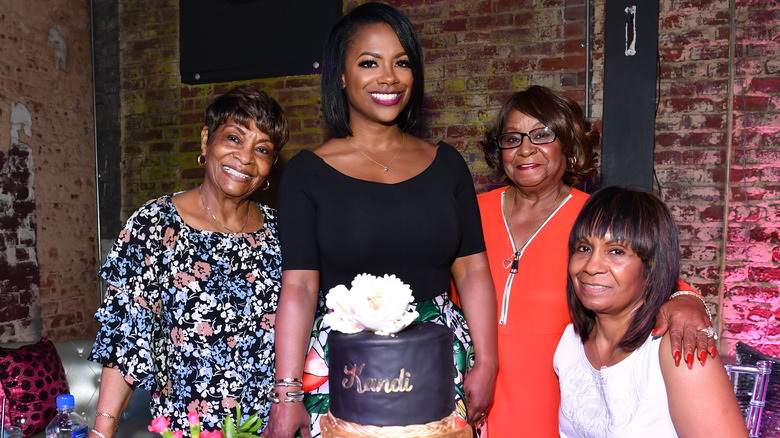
(32, 377)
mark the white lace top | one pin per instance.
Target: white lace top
(627, 399)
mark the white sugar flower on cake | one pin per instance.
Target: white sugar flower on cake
(377, 304)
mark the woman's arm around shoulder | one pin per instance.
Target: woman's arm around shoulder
(702, 402)
(685, 317)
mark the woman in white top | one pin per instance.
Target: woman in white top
(623, 264)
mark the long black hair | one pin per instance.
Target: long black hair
(335, 107)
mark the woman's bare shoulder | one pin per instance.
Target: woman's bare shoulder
(703, 384)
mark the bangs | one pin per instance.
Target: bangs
(626, 217)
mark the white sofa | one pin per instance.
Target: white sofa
(84, 382)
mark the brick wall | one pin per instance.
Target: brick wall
(752, 255)
(477, 53)
(716, 156)
(716, 146)
(47, 189)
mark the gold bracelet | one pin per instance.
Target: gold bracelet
(693, 294)
(112, 417)
(106, 414)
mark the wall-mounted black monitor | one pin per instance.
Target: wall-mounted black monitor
(232, 40)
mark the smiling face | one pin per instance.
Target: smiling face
(530, 167)
(238, 159)
(607, 276)
(377, 75)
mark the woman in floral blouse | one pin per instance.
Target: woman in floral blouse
(194, 279)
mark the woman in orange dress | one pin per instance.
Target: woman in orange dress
(541, 145)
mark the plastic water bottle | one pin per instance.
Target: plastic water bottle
(67, 423)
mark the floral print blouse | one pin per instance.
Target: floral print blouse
(189, 314)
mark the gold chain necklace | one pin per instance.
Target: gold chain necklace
(385, 167)
(513, 258)
(246, 219)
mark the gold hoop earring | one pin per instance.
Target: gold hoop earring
(267, 185)
(201, 163)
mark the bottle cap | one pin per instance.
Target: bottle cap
(65, 401)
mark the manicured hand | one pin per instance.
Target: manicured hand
(684, 317)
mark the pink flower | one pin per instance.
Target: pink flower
(268, 321)
(211, 434)
(228, 402)
(193, 417)
(252, 242)
(170, 238)
(177, 336)
(159, 424)
(199, 406)
(201, 270)
(204, 328)
(182, 280)
(177, 434)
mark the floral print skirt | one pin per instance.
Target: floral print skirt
(439, 310)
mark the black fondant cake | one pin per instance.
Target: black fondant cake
(396, 380)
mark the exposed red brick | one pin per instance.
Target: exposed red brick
(765, 85)
(490, 21)
(698, 104)
(750, 103)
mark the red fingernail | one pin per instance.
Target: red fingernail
(689, 360)
(703, 357)
(677, 357)
(654, 332)
(713, 352)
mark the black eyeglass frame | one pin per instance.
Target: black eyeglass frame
(526, 134)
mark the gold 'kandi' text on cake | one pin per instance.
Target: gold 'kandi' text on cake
(370, 384)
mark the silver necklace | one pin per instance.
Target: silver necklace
(598, 355)
(513, 259)
(603, 383)
(385, 167)
(246, 219)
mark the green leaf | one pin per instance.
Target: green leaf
(241, 429)
(251, 424)
(229, 429)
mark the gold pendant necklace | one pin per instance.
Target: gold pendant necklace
(385, 167)
(246, 219)
(512, 259)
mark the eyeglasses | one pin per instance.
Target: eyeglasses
(511, 140)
